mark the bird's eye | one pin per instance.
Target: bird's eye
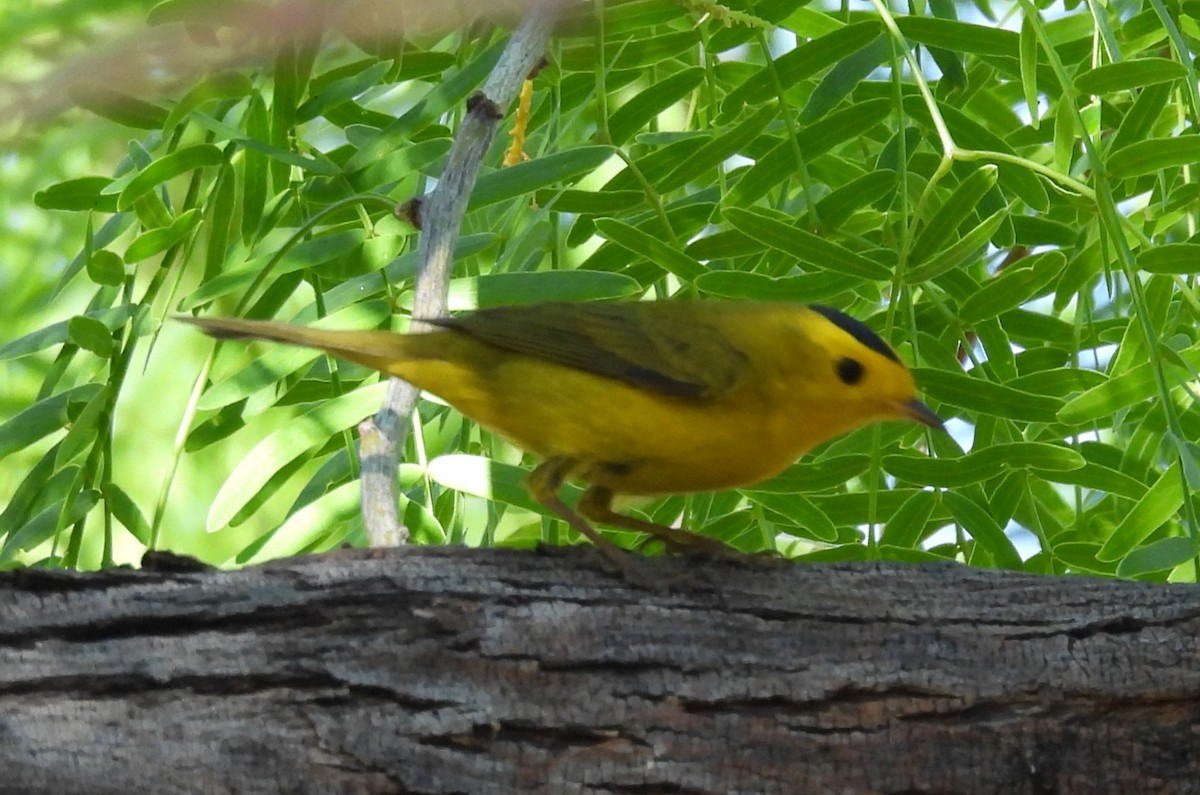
(849, 370)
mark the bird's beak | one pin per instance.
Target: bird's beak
(917, 411)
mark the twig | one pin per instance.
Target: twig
(441, 216)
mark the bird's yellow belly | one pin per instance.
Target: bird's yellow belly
(624, 438)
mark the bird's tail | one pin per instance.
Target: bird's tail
(382, 350)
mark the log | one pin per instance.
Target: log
(454, 670)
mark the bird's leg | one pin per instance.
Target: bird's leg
(544, 483)
(596, 504)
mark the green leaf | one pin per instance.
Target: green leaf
(1029, 58)
(844, 553)
(448, 93)
(861, 192)
(82, 433)
(957, 208)
(1153, 510)
(527, 177)
(724, 244)
(398, 168)
(82, 193)
(1026, 327)
(799, 510)
(32, 492)
(1162, 555)
(1058, 381)
(417, 64)
(1126, 75)
(279, 156)
(997, 345)
(812, 476)
(965, 250)
(651, 248)
(1098, 477)
(91, 335)
(983, 465)
(1065, 138)
(1180, 258)
(156, 241)
(1013, 286)
(151, 212)
(806, 246)
(59, 333)
(216, 87)
(116, 106)
(814, 140)
(1151, 155)
(636, 112)
(290, 72)
(960, 36)
(738, 529)
(491, 480)
(909, 556)
(307, 255)
(342, 90)
(809, 287)
(954, 75)
(656, 164)
(1118, 392)
(1032, 230)
(126, 511)
(1140, 119)
(217, 427)
(41, 419)
(1081, 556)
(509, 289)
(168, 167)
(220, 219)
(306, 432)
(634, 53)
(809, 22)
(254, 167)
(400, 271)
(719, 149)
(984, 529)
(907, 525)
(308, 525)
(844, 78)
(630, 18)
(853, 508)
(805, 60)
(42, 527)
(423, 526)
(586, 202)
(986, 397)
(106, 268)
(1189, 458)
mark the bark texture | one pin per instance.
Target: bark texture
(448, 670)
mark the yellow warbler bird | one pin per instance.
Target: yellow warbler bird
(646, 397)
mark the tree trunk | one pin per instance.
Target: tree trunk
(451, 670)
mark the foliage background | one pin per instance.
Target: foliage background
(1006, 192)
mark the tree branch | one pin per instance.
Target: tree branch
(445, 669)
(441, 216)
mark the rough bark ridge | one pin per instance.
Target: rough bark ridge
(460, 671)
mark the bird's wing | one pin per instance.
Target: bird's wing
(665, 347)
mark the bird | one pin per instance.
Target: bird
(639, 397)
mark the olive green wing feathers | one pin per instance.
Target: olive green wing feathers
(660, 346)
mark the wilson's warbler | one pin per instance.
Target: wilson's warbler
(648, 397)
